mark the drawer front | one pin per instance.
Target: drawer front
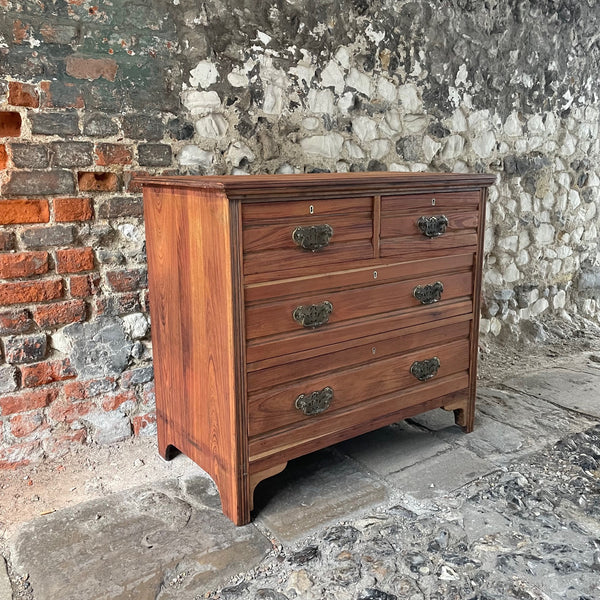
(324, 394)
(313, 234)
(315, 312)
(418, 223)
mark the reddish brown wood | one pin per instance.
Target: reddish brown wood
(225, 276)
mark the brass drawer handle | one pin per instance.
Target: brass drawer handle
(313, 315)
(433, 226)
(428, 294)
(425, 369)
(312, 237)
(315, 403)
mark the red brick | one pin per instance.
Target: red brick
(15, 321)
(27, 400)
(20, 31)
(23, 264)
(58, 444)
(67, 411)
(82, 286)
(74, 260)
(113, 154)
(81, 390)
(127, 280)
(115, 401)
(73, 209)
(10, 124)
(23, 425)
(59, 313)
(91, 68)
(47, 372)
(98, 182)
(24, 211)
(3, 157)
(140, 422)
(30, 291)
(23, 94)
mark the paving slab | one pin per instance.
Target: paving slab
(313, 491)
(150, 542)
(572, 389)
(393, 448)
(441, 474)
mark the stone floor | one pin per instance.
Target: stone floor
(417, 510)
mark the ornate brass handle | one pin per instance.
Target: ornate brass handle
(433, 226)
(315, 403)
(313, 315)
(425, 369)
(428, 294)
(313, 237)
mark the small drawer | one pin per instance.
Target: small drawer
(325, 394)
(294, 235)
(440, 201)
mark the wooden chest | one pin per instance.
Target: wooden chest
(292, 312)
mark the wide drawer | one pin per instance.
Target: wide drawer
(306, 234)
(316, 311)
(301, 400)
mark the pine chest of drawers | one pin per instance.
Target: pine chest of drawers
(292, 312)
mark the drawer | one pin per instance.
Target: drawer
(302, 400)
(317, 311)
(441, 201)
(312, 234)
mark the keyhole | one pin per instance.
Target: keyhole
(433, 202)
(374, 274)
(373, 350)
(311, 209)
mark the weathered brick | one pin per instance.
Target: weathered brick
(14, 212)
(55, 235)
(136, 376)
(23, 94)
(13, 322)
(25, 348)
(56, 33)
(10, 124)
(66, 411)
(8, 379)
(82, 286)
(127, 280)
(21, 31)
(58, 123)
(19, 455)
(23, 292)
(113, 154)
(113, 402)
(154, 155)
(27, 400)
(43, 373)
(143, 127)
(39, 183)
(99, 125)
(8, 240)
(74, 260)
(92, 68)
(82, 390)
(119, 304)
(98, 182)
(29, 156)
(57, 94)
(121, 206)
(131, 182)
(73, 209)
(23, 264)
(3, 157)
(72, 154)
(142, 424)
(59, 313)
(23, 425)
(59, 443)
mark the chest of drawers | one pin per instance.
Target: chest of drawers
(292, 312)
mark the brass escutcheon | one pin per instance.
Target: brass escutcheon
(313, 237)
(313, 315)
(430, 293)
(314, 403)
(432, 226)
(425, 369)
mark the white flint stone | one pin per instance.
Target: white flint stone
(329, 145)
(556, 267)
(538, 307)
(521, 146)
(393, 120)
(211, 126)
(415, 124)
(484, 326)
(509, 243)
(333, 76)
(522, 258)
(365, 129)
(511, 273)
(512, 125)
(321, 101)
(386, 90)
(484, 143)
(493, 277)
(310, 123)
(286, 169)
(353, 151)
(273, 99)
(526, 202)
(430, 148)
(204, 74)
(265, 38)
(568, 145)
(418, 167)
(559, 300)
(550, 123)
(495, 325)
(343, 57)
(346, 102)
(453, 148)
(574, 199)
(524, 240)
(564, 180)
(379, 148)
(304, 72)
(342, 167)
(534, 142)
(359, 81)
(544, 234)
(199, 103)
(193, 156)
(460, 166)
(237, 79)
(408, 95)
(398, 168)
(479, 121)
(135, 325)
(237, 152)
(535, 125)
(458, 121)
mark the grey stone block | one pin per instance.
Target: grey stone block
(55, 235)
(59, 123)
(29, 156)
